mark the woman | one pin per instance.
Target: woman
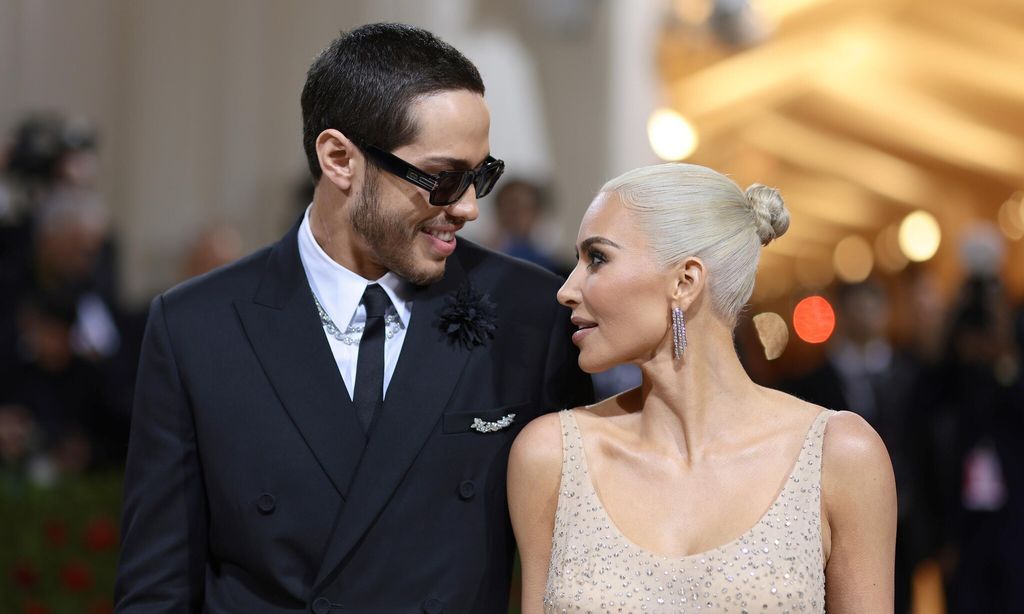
(699, 490)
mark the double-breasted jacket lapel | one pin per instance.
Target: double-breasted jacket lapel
(424, 379)
(284, 329)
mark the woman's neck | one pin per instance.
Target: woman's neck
(688, 404)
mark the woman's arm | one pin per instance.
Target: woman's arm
(859, 506)
(534, 476)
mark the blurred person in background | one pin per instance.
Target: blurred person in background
(213, 247)
(864, 373)
(519, 205)
(71, 231)
(46, 151)
(57, 232)
(63, 393)
(925, 317)
(970, 418)
(58, 262)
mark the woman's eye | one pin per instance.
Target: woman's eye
(596, 258)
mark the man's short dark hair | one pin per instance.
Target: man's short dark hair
(366, 80)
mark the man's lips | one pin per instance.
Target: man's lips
(441, 238)
(442, 233)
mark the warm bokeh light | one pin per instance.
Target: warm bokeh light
(887, 250)
(814, 320)
(919, 236)
(773, 333)
(853, 259)
(771, 284)
(693, 11)
(814, 274)
(1011, 217)
(672, 137)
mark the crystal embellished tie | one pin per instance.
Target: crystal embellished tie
(369, 393)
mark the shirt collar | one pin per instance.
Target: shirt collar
(338, 289)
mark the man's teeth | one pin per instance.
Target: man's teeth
(444, 236)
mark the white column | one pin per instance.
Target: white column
(634, 88)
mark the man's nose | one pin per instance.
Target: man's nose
(465, 208)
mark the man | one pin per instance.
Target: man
(324, 425)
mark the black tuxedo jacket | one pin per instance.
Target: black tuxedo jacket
(250, 486)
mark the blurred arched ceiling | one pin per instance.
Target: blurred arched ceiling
(861, 111)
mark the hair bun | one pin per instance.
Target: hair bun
(770, 214)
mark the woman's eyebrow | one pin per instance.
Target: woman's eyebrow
(599, 241)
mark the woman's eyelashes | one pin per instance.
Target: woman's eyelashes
(596, 258)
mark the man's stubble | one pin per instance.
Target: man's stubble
(392, 242)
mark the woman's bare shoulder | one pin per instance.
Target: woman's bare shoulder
(851, 444)
(538, 447)
(849, 439)
(856, 473)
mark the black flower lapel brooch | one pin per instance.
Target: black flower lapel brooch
(468, 317)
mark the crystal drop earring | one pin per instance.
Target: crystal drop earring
(678, 333)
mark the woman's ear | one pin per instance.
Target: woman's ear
(339, 158)
(689, 279)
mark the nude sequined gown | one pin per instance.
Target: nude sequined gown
(776, 566)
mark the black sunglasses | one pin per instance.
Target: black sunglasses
(447, 187)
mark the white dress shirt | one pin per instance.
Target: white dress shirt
(340, 292)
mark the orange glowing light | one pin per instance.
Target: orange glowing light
(814, 320)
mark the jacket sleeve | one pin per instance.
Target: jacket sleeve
(164, 518)
(565, 384)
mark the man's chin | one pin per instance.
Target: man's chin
(423, 274)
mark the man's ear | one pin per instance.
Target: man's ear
(689, 280)
(339, 158)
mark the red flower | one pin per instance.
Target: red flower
(56, 532)
(76, 576)
(100, 534)
(34, 607)
(24, 574)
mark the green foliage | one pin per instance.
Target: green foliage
(58, 545)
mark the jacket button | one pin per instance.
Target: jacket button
(265, 504)
(467, 490)
(433, 606)
(321, 606)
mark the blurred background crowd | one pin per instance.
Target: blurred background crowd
(144, 144)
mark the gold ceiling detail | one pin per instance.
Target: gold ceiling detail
(860, 111)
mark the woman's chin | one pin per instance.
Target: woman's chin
(590, 365)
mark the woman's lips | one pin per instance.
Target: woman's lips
(582, 332)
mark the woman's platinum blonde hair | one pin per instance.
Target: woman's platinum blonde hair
(689, 210)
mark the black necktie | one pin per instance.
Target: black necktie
(370, 366)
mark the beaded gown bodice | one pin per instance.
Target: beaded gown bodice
(776, 566)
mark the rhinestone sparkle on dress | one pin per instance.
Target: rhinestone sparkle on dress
(776, 566)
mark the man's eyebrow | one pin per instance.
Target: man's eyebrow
(598, 241)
